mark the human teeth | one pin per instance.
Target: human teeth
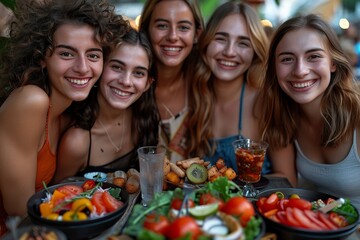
(172, 49)
(79, 81)
(227, 63)
(120, 93)
(302, 85)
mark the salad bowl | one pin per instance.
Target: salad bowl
(202, 212)
(288, 231)
(74, 230)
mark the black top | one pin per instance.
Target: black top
(125, 162)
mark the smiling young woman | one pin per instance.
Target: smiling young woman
(311, 99)
(173, 28)
(53, 57)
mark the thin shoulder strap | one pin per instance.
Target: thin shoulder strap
(89, 151)
(47, 124)
(241, 105)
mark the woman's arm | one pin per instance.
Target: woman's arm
(283, 163)
(22, 134)
(72, 153)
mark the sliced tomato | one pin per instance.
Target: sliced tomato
(281, 215)
(315, 220)
(156, 223)
(110, 203)
(260, 204)
(303, 220)
(271, 202)
(299, 203)
(98, 203)
(290, 219)
(177, 202)
(70, 190)
(325, 219)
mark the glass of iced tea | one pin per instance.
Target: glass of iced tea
(250, 155)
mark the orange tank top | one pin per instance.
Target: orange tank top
(46, 165)
(46, 161)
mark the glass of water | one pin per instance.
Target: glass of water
(151, 160)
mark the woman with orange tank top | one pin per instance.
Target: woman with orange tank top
(53, 57)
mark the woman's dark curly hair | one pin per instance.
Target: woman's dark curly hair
(32, 31)
(145, 115)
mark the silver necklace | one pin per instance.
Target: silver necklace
(116, 148)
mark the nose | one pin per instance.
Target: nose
(300, 68)
(229, 49)
(81, 65)
(125, 79)
(172, 34)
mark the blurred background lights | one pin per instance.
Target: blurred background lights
(137, 21)
(266, 23)
(344, 23)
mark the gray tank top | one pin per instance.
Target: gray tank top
(341, 179)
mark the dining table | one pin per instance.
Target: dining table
(267, 182)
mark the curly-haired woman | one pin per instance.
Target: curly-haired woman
(54, 57)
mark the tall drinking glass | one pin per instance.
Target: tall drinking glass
(151, 160)
(250, 155)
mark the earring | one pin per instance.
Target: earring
(195, 40)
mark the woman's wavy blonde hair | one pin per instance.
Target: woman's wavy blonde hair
(202, 94)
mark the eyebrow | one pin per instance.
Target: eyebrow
(308, 51)
(75, 50)
(181, 22)
(123, 63)
(227, 35)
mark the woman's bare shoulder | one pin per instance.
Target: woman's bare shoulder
(28, 103)
(76, 133)
(75, 139)
(27, 97)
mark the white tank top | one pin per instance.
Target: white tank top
(341, 179)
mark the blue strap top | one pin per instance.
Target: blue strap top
(224, 148)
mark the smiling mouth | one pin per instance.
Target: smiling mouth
(120, 93)
(172, 49)
(227, 63)
(79, 81)
(302, 84)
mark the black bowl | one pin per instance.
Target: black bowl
(287, 232)
(85, 229)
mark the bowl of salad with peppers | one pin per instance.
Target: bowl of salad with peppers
(216, 211)
(294, 213)
(81, 209)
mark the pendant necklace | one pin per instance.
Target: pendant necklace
(116, 148)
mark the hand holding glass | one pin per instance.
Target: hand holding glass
(151, 160)
(250, 155)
